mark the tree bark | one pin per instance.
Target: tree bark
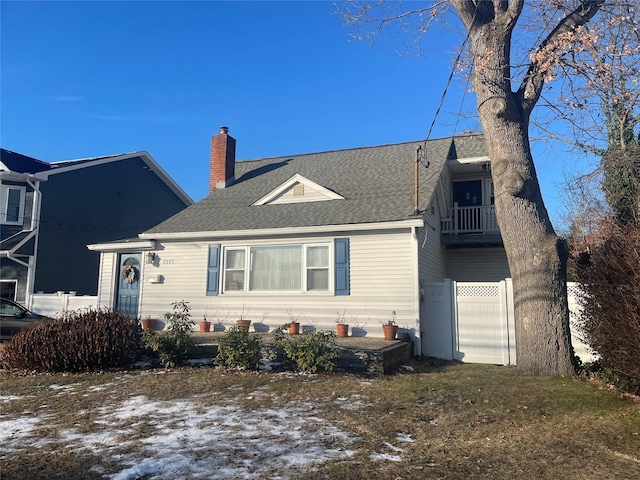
(537, 257)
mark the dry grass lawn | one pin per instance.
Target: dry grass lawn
(437, 421)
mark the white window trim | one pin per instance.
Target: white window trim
(486, 191)
(15, 286)
(247, 269)
(4, 204)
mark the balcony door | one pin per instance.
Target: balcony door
(466, 195)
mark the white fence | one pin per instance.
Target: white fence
(58, 304)
(474, 322)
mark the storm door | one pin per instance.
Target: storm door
(129, 284)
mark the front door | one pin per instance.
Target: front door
(129, 284)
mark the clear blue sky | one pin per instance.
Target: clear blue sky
(85, 78)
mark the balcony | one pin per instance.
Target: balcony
(468, 226)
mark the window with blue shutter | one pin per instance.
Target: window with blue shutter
(341, 247)
(213, 270)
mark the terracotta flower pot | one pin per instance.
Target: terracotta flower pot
(205, 326)
(390, 331)
(148, 323)
(294, 328)
(343, 330)
(244, 324)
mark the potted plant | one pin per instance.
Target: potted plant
(294, 325)
(341, 326)
(390, 328)
(242, 322)
(148, 323)
(205, 325)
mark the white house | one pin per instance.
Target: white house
(355, 232)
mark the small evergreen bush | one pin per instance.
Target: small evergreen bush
(237, 348)
(312, 351)
(175, 344)
(86, 340)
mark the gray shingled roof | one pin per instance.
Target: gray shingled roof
(376, 182)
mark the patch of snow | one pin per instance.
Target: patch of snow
(393, 448)
(9, 398)
(184, 439)
(63, 387)
(14, 432)
(196, 362)
(404, 437)
(351, 403)
(385, 456)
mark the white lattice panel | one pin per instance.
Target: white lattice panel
(434, 291)
(479, 291)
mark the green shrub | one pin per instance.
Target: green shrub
(237, 348)
(86, 340)
(312, 351)
(175, 344)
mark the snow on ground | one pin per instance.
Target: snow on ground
(183, 439)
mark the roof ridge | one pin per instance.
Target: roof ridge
(101, 157)
(351, 149)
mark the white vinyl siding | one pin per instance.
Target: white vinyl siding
(107, 276)
(477, 264)
(432, 256)
(381, 281)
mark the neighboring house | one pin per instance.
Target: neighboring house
(354, 232)
(49, 212)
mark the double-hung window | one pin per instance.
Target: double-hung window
(234, 269)
(12, 204)
(277, 268)
(317, 267)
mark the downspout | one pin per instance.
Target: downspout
(416, 291)
(34, 182)
(416, 209)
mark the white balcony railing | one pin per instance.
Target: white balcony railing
(462, 220)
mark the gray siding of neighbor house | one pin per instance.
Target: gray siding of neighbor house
(13, 271)
(95, 204)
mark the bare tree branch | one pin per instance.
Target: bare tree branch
(531, 88)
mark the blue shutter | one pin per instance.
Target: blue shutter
(213, 270)
(341, 266)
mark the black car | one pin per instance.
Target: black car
(14, 317)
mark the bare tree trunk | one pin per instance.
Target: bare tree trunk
(537, 257)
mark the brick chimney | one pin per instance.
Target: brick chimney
(222, 167)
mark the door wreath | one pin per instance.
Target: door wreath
(129, 274)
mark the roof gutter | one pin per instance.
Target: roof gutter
(136, 246)
(270, 232)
